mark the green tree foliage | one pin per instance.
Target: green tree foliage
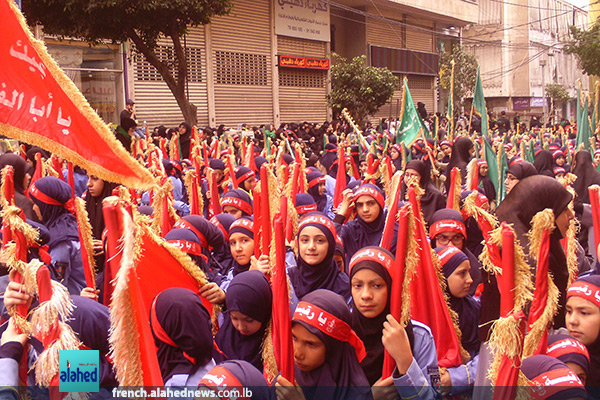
(586, 47)
(557, 93)
(143, 22)
(359, 88)
(465, 74)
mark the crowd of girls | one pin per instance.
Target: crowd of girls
(336, 268)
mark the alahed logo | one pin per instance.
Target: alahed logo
(78, 371)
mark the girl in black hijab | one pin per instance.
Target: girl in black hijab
(371, 293)
(518, 171)
(432, 200)
(530, 196)
(21, 179)
(328, 368)
(182, 333)
(316, 267)
(238, 374)
(462, 152)
(249, 303)
(586, 176)
(543, 163)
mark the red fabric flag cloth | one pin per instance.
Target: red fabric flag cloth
(433, 313)
(398, 280)
(215, 202)
(388, 230)
(340, 177)
(42, 106)
(265, 211)
(282, 322)
(595, 203)
(256, 207)
(38, 170)
(451, 194)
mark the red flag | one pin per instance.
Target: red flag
(451, 191)
(595, 203)
(38, 169)
(256, 208)
(388, 230)
(282, 322)
(398, 280)
(213, 187)
(265, 211)
(433, 313)
(540, 294)
(340, 178)
(43, 107)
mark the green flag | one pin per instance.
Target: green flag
(583, 129)
(479, 107)
(490, 156)
(502, 168)
(411, 125)
(450, 114)
(578, 109)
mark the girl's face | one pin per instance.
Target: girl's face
(309, 350)
(244, 324)
(459, 282)
(564, 220)
(369, 292)
(236, 212)
(510, 182)
(394, 153)
(312, 245)
(411, 174)
(249, 184)
(321, 188)
(95, 185)
(242, 247)
(583, 320)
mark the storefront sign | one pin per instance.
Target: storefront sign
(520, 103)
(537, 102)
(303, 62)
(306, 19)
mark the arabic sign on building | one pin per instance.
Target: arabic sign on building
(306, 19)
(521, 103)
(303, 62)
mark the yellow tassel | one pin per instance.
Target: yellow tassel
(86, 235)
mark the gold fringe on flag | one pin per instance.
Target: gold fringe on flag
(457, 190)
(571, 253)
(86, 234)
(188, 181)
(268, 355)
(385, 177)
(412, 260)
(473, 210)
(123, 335)
(157, 203)
(471, 175)
(542, 221)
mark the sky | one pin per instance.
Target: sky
(580, 3)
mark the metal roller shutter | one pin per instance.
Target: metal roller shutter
(419, 37)
(384, 35)
(242, 61)
(302, 92)
(421, 89)
(154, 101)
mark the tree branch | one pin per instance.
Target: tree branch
(161, 67)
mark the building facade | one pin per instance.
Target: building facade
(519, 48)
(268, 61)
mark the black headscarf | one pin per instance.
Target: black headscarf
(341, 376)
(61, 223)
(586, 176)
(527, 198)
(543, 163)
(522, 170)
(20, 168)
(315, 176)
(93, 206)
(245, 373)
(432, 200)
(186, 322)
(467, 308)
(243, 225)
(185, 239)
(536, 366)
(369, 330)
(250, 294)
(306, 278)
(460, 158)
(91, 322)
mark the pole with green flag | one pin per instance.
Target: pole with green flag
(583, 128)
(411, 126)
(450, 114)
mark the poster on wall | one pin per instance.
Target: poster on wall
(305, 19)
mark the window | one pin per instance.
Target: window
(146, 72)
(240, 68)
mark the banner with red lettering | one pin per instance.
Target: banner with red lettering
(40, 105)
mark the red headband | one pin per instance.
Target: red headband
(316, 181)
(552, 382)
(187, 246)
(306, 208)
(481, 162)
(237, 203)
(567, 346)
(182, 223)
(369, 191)
(372, 254)
(220, 378)
(215, 221)
(330, 325)
(317, 219)
(162, 335)
(245, 176)
(242, 223)
(44, 198)
(446, 254)
(586, 291)
(447, 225)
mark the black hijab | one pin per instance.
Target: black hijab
(369, 330)
(460, 158)
(522, 170)
(20, 168)
(244, 225)
(543, 163)
(527, 198)
(306, 278)
(179, 314)
(93, 206)
(250, 294)
(432, 200)
(341, 376)
(586, 176)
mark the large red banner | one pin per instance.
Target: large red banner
(40, 105)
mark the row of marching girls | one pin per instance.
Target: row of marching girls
(361, 337)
